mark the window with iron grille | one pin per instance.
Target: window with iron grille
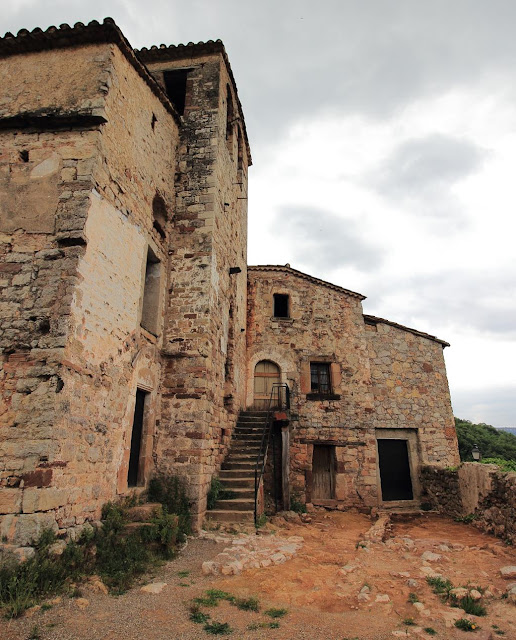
(320, 380)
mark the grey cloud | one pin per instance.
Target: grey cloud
(420, 167)
(321, 240)
(495, 406)
(471, 299)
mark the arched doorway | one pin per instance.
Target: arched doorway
(266, 373)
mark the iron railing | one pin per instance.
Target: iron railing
(278, 400)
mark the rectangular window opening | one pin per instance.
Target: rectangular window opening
(175, 87)
(151, 294)
(320, 380)
(281, 309)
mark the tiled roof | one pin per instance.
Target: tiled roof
(92, 33)
(299, 274)
(195, 50)
(374, 320)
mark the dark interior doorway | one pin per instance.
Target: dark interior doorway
(323, 472)
(136, 439)
(394, 470)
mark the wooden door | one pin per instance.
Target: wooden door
(323, 472)
(266, 373)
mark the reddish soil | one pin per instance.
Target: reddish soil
(320, 598)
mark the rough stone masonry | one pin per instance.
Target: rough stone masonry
(132, 333)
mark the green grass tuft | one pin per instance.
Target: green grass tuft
(276, 613)
(218, 628)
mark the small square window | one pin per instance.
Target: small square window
(281, 305)
(320, 381)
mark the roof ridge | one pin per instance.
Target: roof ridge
(375, 320)
(300, 274)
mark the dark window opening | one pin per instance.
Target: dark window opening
(230, 118)
(160, 215)
(151, 293)
(175, 87)
(24, 155)
(153, 121)
(281, 305)
(133, 472)
(320, 381)
(394, 470)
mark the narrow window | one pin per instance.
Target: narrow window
(159, 214)
(133, 472)
(151, 293)
(320, 381)
(281, 305)
(230, 116)
(175, 87)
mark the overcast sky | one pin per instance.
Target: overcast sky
(383, 135)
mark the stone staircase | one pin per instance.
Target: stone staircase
(237, 471)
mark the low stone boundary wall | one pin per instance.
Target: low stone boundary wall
(481, 492)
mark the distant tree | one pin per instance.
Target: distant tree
(493, 443)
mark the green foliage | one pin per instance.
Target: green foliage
(261, 521)
(34, 633)
(439, 585)
(430, 630)
(197, 616)
(118, 556)
(505, 465)
(467, 519)
(247, 604)
(466, 625)
(296, 504)
(212, 597)
(217, 491)
(254, 626)
(473, 607)
(412, 597)
(276, 613)
(218, 628)
(493, 443)
(409, 622)
(170, 491)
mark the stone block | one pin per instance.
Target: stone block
(10, 500)
(28, 527)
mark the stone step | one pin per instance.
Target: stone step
(239, 493)
(248, 437)
(235, 504)
(144, 512)
(228, 474)
(217, 515)
(240, 466)
(234, 482)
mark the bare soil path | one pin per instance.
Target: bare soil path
(319, 587)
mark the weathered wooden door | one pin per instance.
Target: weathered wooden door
(266, 373)
(323, 472)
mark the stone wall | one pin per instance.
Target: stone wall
(325, 325)
(482, 493)
(204, 377)
(73, 349)
(410, 389)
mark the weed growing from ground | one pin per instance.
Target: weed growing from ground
(197, 616)
(409, 622)
(218, 628)
(430, 630)
(473, 607)
(212, 597)
(466, 625)
(412, 598)
(34, 633)
(439, 585)
(276, 613)
(247, 604)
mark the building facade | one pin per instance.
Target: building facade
(131, 334)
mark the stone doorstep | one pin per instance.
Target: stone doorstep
(235, 504)
(144, 512)
(216, 515)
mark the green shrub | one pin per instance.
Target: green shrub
(217, 491)
(170, 491)
(296, 504)
(218, 628)
(505, 465)
(439, 585)
(276, 613)
(247, 604)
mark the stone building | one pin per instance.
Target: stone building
(132, 331)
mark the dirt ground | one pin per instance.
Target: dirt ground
(319, 588)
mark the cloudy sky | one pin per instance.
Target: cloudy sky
(383, 135)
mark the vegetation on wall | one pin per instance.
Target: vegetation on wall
(493, 443)
(117, 551)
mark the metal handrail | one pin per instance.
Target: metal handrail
(261, 460)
